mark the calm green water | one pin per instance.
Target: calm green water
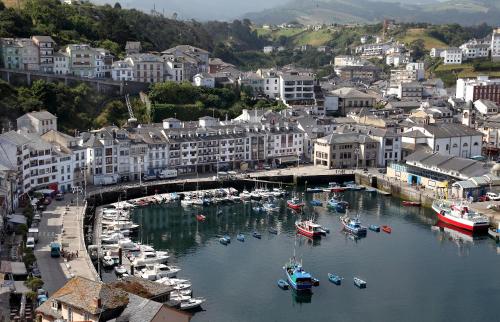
(417, 273)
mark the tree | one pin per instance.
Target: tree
(117, 5)
(417, 48)
(34, 283)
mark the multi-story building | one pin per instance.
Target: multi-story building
(11, 53)
(37, 122)
(343, 60)
(491, 134)
(103, 62)
(81, 60)
(122, 71)
(366, 73)
(486, 107)
(148, 68)
(132, 47)
(30, 59)
(353, 100)
(297, 88)
(174, 70)
(413, 90)
(445, 138)
(436, 52)
(495, 45)
(482, 87)
(345, 150)
(452, 56)
(475, 49)
(411, 73)
(397, 59)
(195, 60)
(46, 48)
(61, 63)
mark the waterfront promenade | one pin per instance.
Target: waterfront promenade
(62, 225)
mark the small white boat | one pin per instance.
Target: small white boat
(146, 258)
(120, 270)
(191, 303)
(157, 271)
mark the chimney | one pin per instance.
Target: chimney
(97, 302)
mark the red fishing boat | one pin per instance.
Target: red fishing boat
(308, 228)
(200, 217)
(295, 204)
(459, 215)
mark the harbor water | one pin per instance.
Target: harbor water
(419, 272)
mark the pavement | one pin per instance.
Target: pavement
(63, 226)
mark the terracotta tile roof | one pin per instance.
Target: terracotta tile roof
(83, 293)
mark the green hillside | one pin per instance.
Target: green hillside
(421, 33)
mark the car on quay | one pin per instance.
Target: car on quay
(59, 197)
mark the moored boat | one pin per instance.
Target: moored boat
(314, 190)
(273, 230)
(387, 229)
(257, 235)
(223, 241)
(297, 278)
(375, 228)
(315, 203)
(353, 225)
(460, 215)
(120, 270)
(201, 217)
(283, 284)
(240, 237)
(494, 233)
(335, 279)
(359, 282)
(408, 203)
(295, 204)
(308, 228)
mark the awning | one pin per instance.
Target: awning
(45, 191)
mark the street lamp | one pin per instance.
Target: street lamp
(356, 152)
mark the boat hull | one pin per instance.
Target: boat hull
(463, 225)
(294, 206)
(304, 287)
(308, 233)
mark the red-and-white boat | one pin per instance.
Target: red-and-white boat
(200, 217)
(295, 204)
(411, 203)
(459, 215)
(308, 228)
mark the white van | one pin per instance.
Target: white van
(30, 243)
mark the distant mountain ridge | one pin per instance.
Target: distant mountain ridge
(367, 11)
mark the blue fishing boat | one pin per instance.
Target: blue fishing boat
(335, 279)
(283, 284)
(273, 230)
(240, 237)
(353, 225)
(315, 203)
(332, 203)
(256, 234)
(374, 228)
(341, 206)
(297, 278)
(359, 282)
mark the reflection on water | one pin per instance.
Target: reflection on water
(239, 280)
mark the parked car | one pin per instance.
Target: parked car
(59, 197)
(483, 198)
(37, 217)
(493, 196)
(30, 243)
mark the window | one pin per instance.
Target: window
(447, 147)
(465, 145)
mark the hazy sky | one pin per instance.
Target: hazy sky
(201, 9)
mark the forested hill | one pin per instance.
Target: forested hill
(111, 26)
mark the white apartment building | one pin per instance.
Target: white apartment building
(270, 83)
(174, 70)
(30, 58)
(344, 60)
(446, 138)
(436, 52)
(122, 71)
(495, 45)
(452, 56)
(482, 87)
(486, 107)
(297, 88)
(397, 59)
(474, 49)
(61, 63)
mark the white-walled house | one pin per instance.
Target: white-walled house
(122, 71)
(452, 56)
(61, 63)
(447, 138)
(37, 122)
(486, 107)
(204, 80)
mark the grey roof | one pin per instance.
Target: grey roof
(416, 134)
(42, 115)
(139, 309)
(340, 138)
(447, 130)
(466, 184)
(348, 92)
(14, 137)
(43, 38)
